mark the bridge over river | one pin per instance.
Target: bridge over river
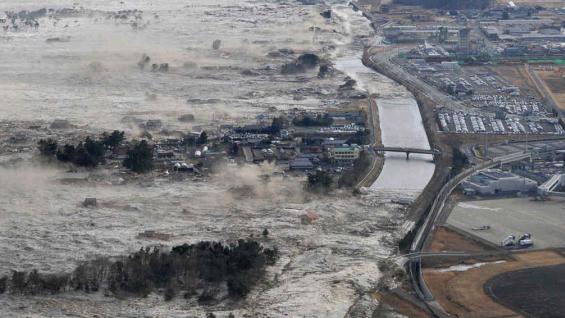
(408, 150)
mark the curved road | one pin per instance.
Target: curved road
(435, 214)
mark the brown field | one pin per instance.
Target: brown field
(398, 305)
(518, 76)
(462, 294)
(445, 239)
(556, 85)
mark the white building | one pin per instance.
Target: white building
(344, 154)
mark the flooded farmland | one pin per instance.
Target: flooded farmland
(81, 64)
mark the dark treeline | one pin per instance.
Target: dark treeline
(309, 121)
(277, 124)
(448, 4)
(319, 182)
(139, 157)
(92, 152)
(88, 153)
(204, 270)
(361, 137)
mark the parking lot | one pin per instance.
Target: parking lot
(484, 122)
(513, 216)
(492, 104)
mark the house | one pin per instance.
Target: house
(301, 164)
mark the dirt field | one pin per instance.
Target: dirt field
(445, 239)
(460, 290)
(542, 287)
(399, 305)
(556, 85)
(518, 76)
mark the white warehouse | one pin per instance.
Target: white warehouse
(493, 182)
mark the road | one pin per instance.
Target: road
(413, 83)
(436, 213)
(544, 91)
(377, 162)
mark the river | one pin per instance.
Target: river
(400, 120)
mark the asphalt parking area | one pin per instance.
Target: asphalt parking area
(513, 216)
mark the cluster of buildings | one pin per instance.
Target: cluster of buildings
(305, 148)
(292, 148)
(523, 30)
(543, 175)
(421, 33)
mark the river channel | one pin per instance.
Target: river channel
(399, 117)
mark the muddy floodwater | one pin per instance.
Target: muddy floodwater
(80, 63)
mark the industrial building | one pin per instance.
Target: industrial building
(521, 30)
(496, 182)
(412, 33)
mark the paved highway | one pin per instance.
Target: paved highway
(435, 214)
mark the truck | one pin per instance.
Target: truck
(525, 241)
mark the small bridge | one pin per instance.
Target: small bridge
(408, 151)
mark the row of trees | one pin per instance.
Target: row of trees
(202, 269)
(308, 121)
(319, 182)
(139, 157)
(89, 153)
(92, 152)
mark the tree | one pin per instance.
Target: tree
(94, 150)
(114, 139)
(323, 71)
(319, 120)
(3, 284)
(89, 153)
(277, 124)
(140, 157)
(459, 160)
(67, 154)
(203, 138)
(505, 15)
(47, 147)
(361, 137)
(321, 181)
(18, 281)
